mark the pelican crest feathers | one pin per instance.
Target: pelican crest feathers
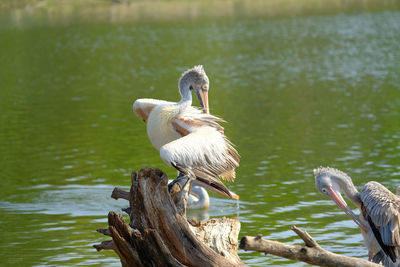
(199, 69)
(335, 172)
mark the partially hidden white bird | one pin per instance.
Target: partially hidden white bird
(379, 218)
(198, 198)
(189, 139)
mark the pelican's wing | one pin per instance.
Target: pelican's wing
(382, 210)
(143, 107)
(203, 149)
(212, 145)
(192, 118)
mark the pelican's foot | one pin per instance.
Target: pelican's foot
(180, 180)
(179, 190)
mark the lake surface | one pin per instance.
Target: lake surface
(297, 92)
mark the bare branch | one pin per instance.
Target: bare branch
(103, 231)
(106, 245)
(127, 210)
(308, 240)
(313, 255)
(119, 193)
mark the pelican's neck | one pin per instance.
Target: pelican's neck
(348, 188)
(186, 99)
(203, 200)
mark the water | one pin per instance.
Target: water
(297, 92)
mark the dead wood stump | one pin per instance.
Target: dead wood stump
(159, 234)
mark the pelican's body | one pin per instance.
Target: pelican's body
(379, 218)
(189, 139)
(159, 127)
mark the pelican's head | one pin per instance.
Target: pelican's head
(324, 180)
(329, 181)
(195, 79)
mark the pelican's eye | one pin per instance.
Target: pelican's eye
(204, 88)
(324, 190)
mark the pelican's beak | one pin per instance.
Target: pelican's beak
(338, 199)
(202, 94)
(233, 195)
(222, 190)
(229, 194)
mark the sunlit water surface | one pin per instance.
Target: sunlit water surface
(297, 93)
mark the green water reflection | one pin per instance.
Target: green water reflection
(297, 93)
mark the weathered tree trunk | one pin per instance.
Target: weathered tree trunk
(311, 253)
(160, 235)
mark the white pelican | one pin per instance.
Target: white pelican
(379, 218)
(189, 139)
(198, 198)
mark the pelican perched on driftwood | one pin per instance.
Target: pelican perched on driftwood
(379, 218)
(189, 139)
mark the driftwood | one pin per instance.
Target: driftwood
(221, 235)
(311, 253)
(159, 233)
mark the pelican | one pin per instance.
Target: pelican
(189, 139)
(379, 218)
(198, 198)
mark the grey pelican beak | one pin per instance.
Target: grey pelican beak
(231, 194)
(202, 94)
(338, 199)
(227, 193)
